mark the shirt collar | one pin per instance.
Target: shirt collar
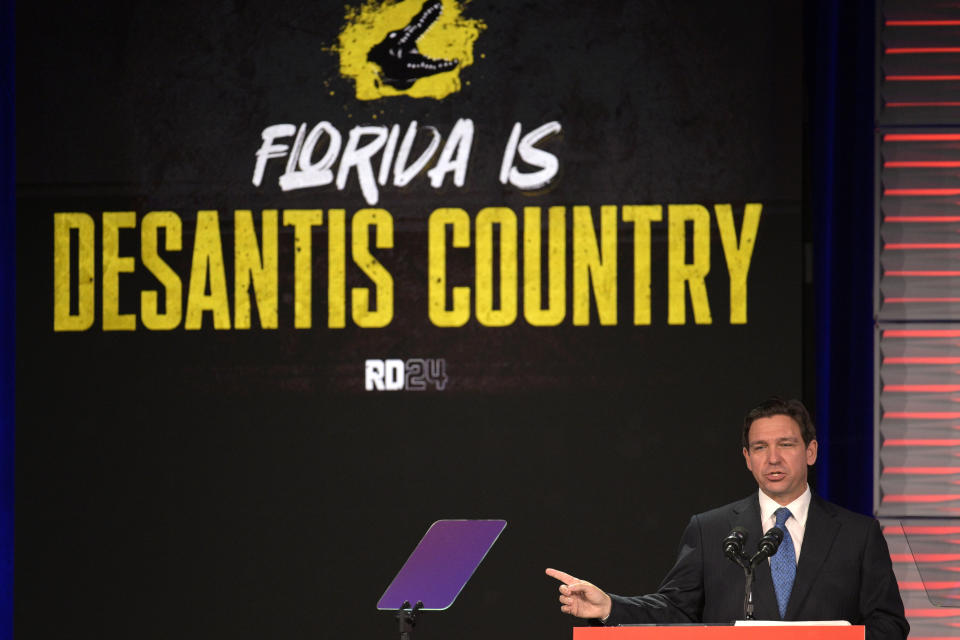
(798, 508)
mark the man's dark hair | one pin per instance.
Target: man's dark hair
(779, 407)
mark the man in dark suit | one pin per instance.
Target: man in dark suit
(833, 564)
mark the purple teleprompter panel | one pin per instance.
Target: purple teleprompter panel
(440, 566)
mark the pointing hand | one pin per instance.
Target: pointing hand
(581, 598)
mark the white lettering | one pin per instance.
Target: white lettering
(403, 174)
(458, 143)
(360, 157)
(315, 174)
(373, 375)
(532, 155)
(394, 377)
(270, 149)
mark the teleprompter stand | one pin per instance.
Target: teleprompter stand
(438, 569)
(407, 617)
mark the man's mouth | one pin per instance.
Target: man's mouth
(776, 475)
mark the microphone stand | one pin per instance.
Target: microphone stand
(748, 565)
(769, 544)
(748, 592)
(733, 549)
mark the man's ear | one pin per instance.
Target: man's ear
(811, 452)
(746, 458)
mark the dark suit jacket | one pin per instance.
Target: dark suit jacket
(844, 573)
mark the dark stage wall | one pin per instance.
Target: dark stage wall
(593, 275)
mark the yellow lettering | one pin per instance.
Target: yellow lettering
(82, 320)
(113, 266)
(533, 309)
(738, 254)
(506, 312)
(252, 265)
(207, 265)
(363, 315)
(437, 267)
(173, 289)
(596, 264)
(641, 216)
(683, 274)
(302, 221)
(337, 269)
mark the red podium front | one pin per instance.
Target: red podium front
(668, 632)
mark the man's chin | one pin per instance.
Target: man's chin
(775, 487)
(781, 493)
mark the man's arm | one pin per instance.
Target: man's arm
(679, 598)
(880, 601)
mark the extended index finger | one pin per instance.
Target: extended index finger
(563, 577)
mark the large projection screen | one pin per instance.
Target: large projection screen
(296, 279)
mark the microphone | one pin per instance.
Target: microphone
(733, 545)
(768, 545)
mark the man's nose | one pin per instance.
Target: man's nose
(773, 455)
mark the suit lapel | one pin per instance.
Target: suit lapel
(747, 515)
(818, 536)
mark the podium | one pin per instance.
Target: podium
(722, 632)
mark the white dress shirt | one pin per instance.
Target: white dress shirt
(797, 522)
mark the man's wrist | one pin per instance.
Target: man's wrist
(604, 619)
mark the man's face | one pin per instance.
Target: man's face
(776, 456)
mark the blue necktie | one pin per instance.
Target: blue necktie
(783, 565)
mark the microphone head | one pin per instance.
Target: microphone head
(770, 541)
(733, 544)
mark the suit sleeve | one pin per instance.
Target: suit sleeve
(880, 602)
(680, 596)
